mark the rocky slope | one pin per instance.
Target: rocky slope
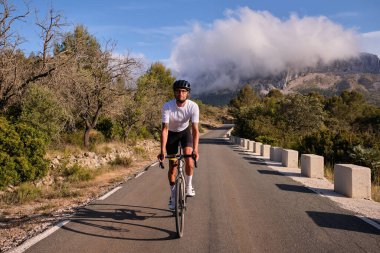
(361, 74)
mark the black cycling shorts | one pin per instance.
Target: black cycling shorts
(174, 139)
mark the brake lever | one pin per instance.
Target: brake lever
(195, 160)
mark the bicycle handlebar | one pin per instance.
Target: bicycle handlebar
(179, 157)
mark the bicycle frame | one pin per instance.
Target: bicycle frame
(180, 196)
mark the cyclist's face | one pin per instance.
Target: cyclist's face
(181, 95)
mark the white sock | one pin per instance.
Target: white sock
(189, 181)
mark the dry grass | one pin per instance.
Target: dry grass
(375, 192)
(329, 173)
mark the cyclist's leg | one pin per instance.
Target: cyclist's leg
(172, 149)
(187, 146)
(189, 161)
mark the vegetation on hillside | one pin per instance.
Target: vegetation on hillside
(74, 91)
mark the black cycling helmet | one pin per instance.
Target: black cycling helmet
(181, 84)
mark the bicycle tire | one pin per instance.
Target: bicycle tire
(180, 202)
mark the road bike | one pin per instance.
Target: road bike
(180, 193)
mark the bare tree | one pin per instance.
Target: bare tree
(95, 81)
(129, 114)
(16, 71)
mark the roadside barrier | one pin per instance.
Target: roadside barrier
(312, 166)
(350, 180)
(265, 151)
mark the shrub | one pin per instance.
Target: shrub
(368, 157)
(77, 173)
(41, 109)
(266, 140)
(123, 161)
(139, 151)
(22, 149)
(23, 194)
(105, 126)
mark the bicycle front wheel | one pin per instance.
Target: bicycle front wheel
(180, 205)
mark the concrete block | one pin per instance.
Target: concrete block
(258, 147)
(251, 146)
(245, 144)
(290, 158)
(276, 154)
(352, 180)
(242, 141)
(312, 166)
(265, 151)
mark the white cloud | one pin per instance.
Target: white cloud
(251, 43)
(370, 42)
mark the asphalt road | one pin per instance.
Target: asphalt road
(240, 206)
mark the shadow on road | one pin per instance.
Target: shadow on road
(125, 221)
(269, 172)
(214, 141)
(342, 221)
(294, 188)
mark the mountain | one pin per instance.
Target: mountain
(361, 74)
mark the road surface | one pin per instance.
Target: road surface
(241, 205)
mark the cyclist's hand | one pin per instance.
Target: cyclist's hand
(196, 155)
(160, 157)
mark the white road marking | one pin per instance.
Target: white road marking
(109, 193)
(138, 175)
(154, 164)
(29, 243)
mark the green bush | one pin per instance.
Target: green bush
(123, 161)
(22, 149)
(266, 140)
(368, 157)
(77, 173)
(42, 110)
(23, 194)
(105, 126)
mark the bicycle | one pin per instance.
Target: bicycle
(180, 194)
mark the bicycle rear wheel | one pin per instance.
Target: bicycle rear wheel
(180, 202)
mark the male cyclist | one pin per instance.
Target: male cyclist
(176, 129)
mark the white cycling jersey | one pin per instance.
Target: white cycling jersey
(178, 117)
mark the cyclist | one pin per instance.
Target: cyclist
(176, 129)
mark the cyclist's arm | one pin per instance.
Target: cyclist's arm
(195, 132)
(164, 137)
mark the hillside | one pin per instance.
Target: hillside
(361, 74)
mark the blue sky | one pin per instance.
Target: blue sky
(149, 28)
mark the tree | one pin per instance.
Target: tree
(129, 115)
(245, 97)
(41, 109)
(16, 71)
(301, 114)
(95, 81)
(154, 88)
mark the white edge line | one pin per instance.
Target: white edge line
(138, 175)
(109, 193)
(29, 243)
